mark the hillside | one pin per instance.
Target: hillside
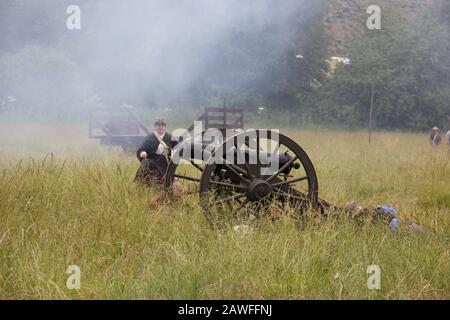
(346, 18)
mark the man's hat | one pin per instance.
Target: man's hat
(160, 121)
(435, 129)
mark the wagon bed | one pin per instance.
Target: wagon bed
(117, 127)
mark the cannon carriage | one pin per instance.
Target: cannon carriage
(241, 173)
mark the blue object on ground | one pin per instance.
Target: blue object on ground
(394, 225)
(392, 212)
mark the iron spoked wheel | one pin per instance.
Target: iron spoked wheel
(184, 169)
(187, 174)
(281, 175)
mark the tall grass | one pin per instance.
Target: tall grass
(80, 207)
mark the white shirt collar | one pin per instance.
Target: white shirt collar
(161, 136)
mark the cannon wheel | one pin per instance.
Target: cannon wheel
(188, 173)
(246, 191)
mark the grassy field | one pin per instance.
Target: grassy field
(64, 200)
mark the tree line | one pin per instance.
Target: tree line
(271, 56)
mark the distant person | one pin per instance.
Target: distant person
(447, 136)
(435, 138)
(361, 215)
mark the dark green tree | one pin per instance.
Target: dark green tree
(399, 75)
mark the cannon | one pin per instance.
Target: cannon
(237, 172)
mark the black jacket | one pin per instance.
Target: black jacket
(150, 145)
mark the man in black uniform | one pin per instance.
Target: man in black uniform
(154, 155)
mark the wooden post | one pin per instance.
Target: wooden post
(372, 98)
(225, 112)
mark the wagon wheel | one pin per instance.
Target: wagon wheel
(185, 170)
(187, 173)
(286, 177)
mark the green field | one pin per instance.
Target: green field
(64, 200)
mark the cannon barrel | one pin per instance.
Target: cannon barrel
(191, 150)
